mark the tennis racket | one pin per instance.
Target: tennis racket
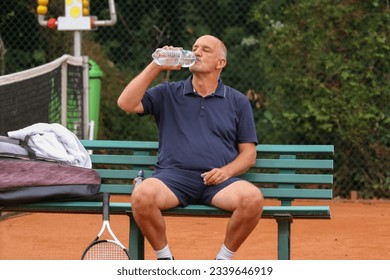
(104, 249)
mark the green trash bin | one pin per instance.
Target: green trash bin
(95, 84)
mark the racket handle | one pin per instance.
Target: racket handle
(106, 205)
(140, 177)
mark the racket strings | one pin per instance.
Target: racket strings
(105, 251)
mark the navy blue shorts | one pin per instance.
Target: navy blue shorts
(188, 185)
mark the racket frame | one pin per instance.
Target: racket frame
(106, 225)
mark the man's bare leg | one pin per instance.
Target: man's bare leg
(246, 202)
(148, 199)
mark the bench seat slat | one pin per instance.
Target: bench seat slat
(268, 211)
(191, 210)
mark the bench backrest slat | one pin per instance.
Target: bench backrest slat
(297, 193)
(119, 144)
(278, 178)
(277, 193)
(124, 159)
(121, 174)
(295, 149)
(294, 163)
(151, 145)
(117, 188)
(260, 163)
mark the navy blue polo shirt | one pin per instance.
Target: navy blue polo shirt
(199, 133)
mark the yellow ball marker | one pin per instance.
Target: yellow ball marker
(42, 10)
(76, 16)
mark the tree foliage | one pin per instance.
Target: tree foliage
(326, 66)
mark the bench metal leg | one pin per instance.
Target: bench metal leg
(136, 241)
(284, 230)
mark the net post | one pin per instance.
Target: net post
(86, 96)
(64, 93)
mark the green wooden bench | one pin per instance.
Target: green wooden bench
(284, 172)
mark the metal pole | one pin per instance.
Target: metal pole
(86, 93)
(77, 42)
(64, 93)
(113, 17)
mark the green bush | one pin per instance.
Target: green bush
(323, 63)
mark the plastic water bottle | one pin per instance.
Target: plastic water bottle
(174, 57)
(140, 177)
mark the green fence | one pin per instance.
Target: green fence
(316, 72)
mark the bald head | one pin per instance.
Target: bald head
(214, 41)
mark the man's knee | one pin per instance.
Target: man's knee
(240, 195)
(143, 196)
(251, 200)
(153, 194)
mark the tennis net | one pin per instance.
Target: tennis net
(51, 93)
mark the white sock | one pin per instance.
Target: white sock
(164, 253)
(225, 254)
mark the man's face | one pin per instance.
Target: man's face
(207, 50)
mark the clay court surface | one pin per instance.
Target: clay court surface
(358, 230)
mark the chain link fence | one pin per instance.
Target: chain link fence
(288, 57)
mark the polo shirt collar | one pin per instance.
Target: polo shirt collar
(188, 88)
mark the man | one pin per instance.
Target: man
(207, 138)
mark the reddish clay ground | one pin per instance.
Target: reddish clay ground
(358, 230)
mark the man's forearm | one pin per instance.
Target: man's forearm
(130, 98)
(245, 159)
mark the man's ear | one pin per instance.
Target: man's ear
(221, 63)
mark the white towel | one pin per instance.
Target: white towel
(54, 141)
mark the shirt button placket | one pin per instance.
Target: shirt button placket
(202, 107)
